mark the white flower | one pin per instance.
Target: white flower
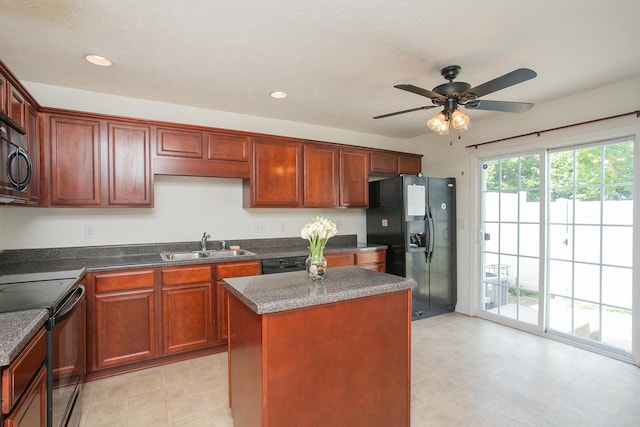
(318, 232)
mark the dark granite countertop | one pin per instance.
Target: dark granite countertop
(287, 291)
(15, 327)
(16, 330)
(105, 258)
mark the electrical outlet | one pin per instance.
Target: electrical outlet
(283, 227)
(260, 227)
(89, 232)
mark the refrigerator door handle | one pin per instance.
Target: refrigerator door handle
(431, 239)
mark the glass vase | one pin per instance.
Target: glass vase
(316, 265)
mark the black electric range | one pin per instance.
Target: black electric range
(36, 290)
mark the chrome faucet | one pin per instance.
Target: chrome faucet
(223, 245)
(205, 236)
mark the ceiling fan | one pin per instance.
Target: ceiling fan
(453, 94)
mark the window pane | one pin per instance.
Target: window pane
(587, 321)
(588, 212)
(618, 212)
(561, 278)
(491, 175)
(617, 287)
(530, 240)
(528, 274)
(587, 282)
(561, 241)
(509, 206)
(561, 169)
(588, 165)
(492, 206)
(618, 166)
(492, 237)
(509, 174)
(530, 206)
(616, 327)
(560, 314)
(530, 172)
(617, 246)
(509, 238)
(587, 243)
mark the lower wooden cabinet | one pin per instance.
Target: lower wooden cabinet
(24, 394)
(31, 410)
(371, 260)
(187, 308)
(225, 271)
(122, 318)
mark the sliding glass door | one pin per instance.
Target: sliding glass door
(510, 237)
(579, 222)
(591, 243)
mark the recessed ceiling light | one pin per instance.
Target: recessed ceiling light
(278, 94)
(98, 60)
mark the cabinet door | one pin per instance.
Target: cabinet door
(3, 94)
(409, 165)
(181, 143)
(17, 105)
(187, 309)
(277, 175)
(225, 271)
(122, 320)
(33, 148)
(339, 260)
(130, 176)
(320, 176)
(227, 147)
(75, 157)
(31, 408)
(385, 164)
(372, 260)
(354, 178)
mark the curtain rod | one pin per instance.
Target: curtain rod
(537, 133)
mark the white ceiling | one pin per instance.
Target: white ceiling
(338, 60)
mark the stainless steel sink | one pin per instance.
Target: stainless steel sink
(182, 256)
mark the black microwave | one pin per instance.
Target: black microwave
(15, 165)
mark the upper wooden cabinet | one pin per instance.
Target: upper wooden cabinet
(320, 176)
(391, 164)
(130, 177)
(201, 152)
(89, 161)
(354, 178)
(277, 173)
(33, 148)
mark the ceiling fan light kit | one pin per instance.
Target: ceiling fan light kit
(453, 94)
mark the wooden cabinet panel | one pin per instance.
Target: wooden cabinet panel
(409, 165)
(384, 163)
(75, 157)
(277, 175)
(227, 147)
(122, 319)
(320, 176)
(224, 271)
(130, 176)
(17, 106)
(187, 308)
(179, 143)
(186, 317)
(126, 327)
(33, 148)
(123, 281)
(339, 260)
(3, 94)
(354, 178)
(17, 376)
(31, 409)
(372, 260)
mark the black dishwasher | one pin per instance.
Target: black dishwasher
(284, 264)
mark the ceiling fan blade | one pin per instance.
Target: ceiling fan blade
(420, 91)
(426, 107)
(513, 78)
(506, 106)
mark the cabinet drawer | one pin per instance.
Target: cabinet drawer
(124, 281)
(16, 378)
(238, 269)
(186, 275)
(179, 143)
(339, 260)
(369, 257)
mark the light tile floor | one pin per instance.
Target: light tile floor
(466, 371)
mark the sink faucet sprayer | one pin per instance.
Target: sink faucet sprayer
(205, 236)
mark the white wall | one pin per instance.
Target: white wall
(443, 159)
(185, 207)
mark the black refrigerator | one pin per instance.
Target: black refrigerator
(415, 217)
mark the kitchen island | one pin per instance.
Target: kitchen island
(332, 353)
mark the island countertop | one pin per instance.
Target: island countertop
(288, 291)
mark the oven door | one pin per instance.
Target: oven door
(67, 363)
